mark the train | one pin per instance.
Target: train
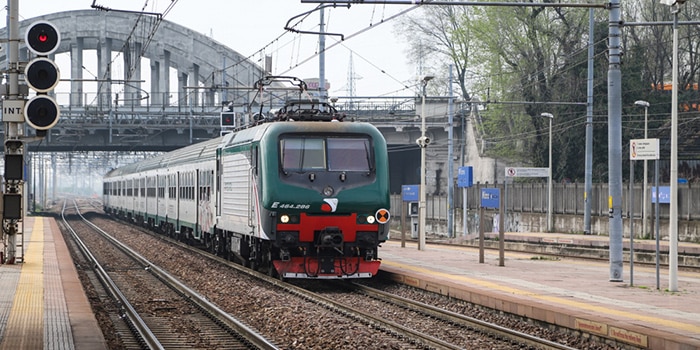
(304, 195)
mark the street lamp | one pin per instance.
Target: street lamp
(644, 104)
(422, 142)
(673, 210)
(550, 204)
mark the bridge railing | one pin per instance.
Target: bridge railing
(207, 102)
(201, 109)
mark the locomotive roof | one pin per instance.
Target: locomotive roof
(182, 155)
(207, 149)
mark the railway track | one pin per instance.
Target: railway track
(422, 324)
(470, 331)
(433, 325)
(384, 332)
(374, 332)
(298, 318)
(159, 311)
(447, 322)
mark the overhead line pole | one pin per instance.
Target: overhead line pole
(673, 211)
(614, 102)
(588, 172)
(615, 141)
(322, 57)
(450, 160)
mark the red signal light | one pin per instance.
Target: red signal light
(42, 38)
(228, 119)
(41, 75)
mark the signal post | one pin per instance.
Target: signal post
(41, 112)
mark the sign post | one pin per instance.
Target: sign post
(490, 198)
(410, 194)
(535, 172)
(465, 179)
(642, 149)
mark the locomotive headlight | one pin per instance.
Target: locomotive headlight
(288, 219)
(284, 218)
(363, 219)
(328, 191)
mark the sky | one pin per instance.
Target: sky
(378, 54)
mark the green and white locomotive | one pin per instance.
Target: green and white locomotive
(303, 196)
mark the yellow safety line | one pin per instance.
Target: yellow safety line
(26, 321)
(529, 294)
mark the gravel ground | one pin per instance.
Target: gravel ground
(294, 323)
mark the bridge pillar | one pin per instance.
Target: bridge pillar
(181, 93)
(76, 73)
(210, 96)
(132, 75)
(194, 81)
(156, 97)
(165, 77)
(104, 75)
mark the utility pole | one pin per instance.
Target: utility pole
(615, 141)
(450, 160)
(322, 93)
(41, 112)
(13, 118)
(588, 182)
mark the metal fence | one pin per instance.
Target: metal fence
(568, 199)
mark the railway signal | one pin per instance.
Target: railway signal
(42, 75)
(228, 119)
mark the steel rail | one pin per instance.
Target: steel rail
(390, 327)
(483, 326)
(250, 335)
(134, 319)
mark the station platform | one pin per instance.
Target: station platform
(42, 302)
(570, 293)
(594, 241)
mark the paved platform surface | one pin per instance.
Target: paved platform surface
(575, 294)
(42, 303)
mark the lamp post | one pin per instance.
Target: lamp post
(644, 104)
(550, 204)
(423, 142)
(673, 210)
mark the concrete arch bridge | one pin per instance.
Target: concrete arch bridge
(154, 82)
(159, 86)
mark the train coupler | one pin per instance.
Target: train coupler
(285, 255)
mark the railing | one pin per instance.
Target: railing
(212, 101)
(568, 200)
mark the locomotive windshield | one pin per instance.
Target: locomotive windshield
(333, 154)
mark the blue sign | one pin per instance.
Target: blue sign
(465, 176)
(664, 194)
(490, 198)
(409, 193)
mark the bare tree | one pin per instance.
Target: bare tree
(437, 37)
(538, 55)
